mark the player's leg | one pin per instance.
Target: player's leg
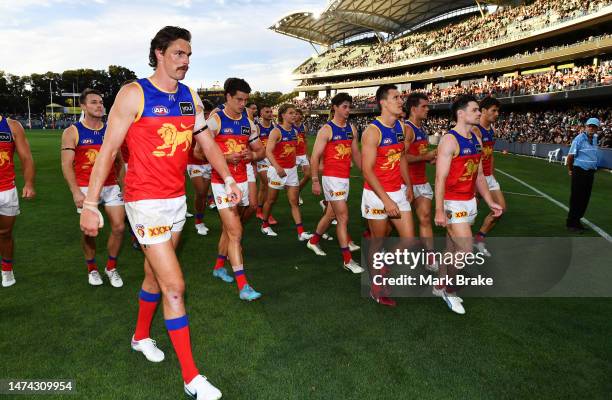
(341, 213)
(293, 195)
(7, 222)
(262, 191)
(306, 175)
(252, 207)
(267, 210)
(322, 226)
(422, 208)
(199, 203)
(489, 223)
(460, 235)
(116, 217)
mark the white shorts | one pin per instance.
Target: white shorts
(221, 200)
(302, 161)
(276, 182)
(492, 183)
(372, 206)
(250, 173)
(194, 170)
(460, 211)
(334, 188)
(423, 190)
(263, 165)
(153, 221)
(110, 196)
(9, 202)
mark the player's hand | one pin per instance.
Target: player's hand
(233, 158)
(440, 218)
(90, 222)
(247, 155)
(569, 172)
(409, 194)
(316, 188)
(433, 160)
(28, 192)
(234, 194)
(430, 155)
(281, 172)
(391, 208)
(78, 199)
(496, 208)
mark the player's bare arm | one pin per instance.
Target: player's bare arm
(323, 137)
(273, 139)
(69, 143)
(446, 149)
(25, 156)
(355, 150)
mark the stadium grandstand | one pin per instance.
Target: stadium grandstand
(549, 63)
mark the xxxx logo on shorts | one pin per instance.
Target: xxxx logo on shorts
(375, 211)
(221, 200)
(337, 194)
(158, 230)
(275, 183)
(461, 214)
(140, 230)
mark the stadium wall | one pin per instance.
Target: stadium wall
(542, 149)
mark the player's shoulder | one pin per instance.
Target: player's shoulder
(15, 126)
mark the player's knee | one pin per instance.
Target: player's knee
(425, 218)
(118, 228)
(234, 233)
(342, 218)
(6, 233)
(174, 290)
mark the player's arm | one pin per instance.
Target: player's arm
(25, 156)
(369, 145)
(123, 113)
(406, 176)
(256, 150)
(323, 137)
(446, 149)
(273, 139)
(411, 158)
(69, 142)
(483, 189)
(355, 151)
(306, 144)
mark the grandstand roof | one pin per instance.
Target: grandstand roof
(343, 19)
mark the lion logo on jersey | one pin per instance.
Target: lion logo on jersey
(234, 147)
(91, 155)
(287, 151)
(422, 149)
(342, 151)
(4, 158)
(487, 152)
(172, 138)
(470, 168)
(300, 139)
(393, 157)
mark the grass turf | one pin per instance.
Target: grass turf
(311, 336)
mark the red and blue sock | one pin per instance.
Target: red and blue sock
(241, 279)
(300, 228)
(7, 265)
(346, 254)
(91, 265)
(316, 238)
(178, 330)
(111, 263)
(220, 261)
(147, 304)
(480, 236)
(198, 218)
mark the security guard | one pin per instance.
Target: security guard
(582, 164)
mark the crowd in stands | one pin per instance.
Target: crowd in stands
(551, 126)
(503, 86)
(507, 23)
(44, 121)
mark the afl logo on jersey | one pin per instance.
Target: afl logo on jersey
(88, 141)
(387, 141)
(160, 110)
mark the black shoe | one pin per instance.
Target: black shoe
(576, 229)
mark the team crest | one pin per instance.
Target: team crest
(172, 138)
(140, 230)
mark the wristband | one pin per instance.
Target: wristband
(91, 203)
(229, 180)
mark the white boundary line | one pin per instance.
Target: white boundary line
(597, 229)
(524, 194)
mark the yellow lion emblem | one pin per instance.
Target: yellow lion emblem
(287, 151)
(470, 168)
(234, 147)
(423, 149)
(91, 155)
(487, 152)
(4, 158)
(393, 157)
(342, 151)
(300, 139)
(172, 139)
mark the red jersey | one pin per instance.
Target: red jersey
(418, 147)
(88, 146)
(234, 136)
(461, 179)
(191, 158)
(125, 152)
(338, 152)
(300, 148)
(159, 141)
(488, 141)
(284, 151)
(7, 152)
(264, 132)
(388, 155)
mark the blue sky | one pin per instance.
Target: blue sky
(230, 37)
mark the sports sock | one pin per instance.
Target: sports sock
(346, 254)
(315, 238)
(7, 265)
(111, 263)
(198, 218)
(91, 265)
(147, 304)
(300, 228)
(220, 261)
(178, 330)
(241, 279)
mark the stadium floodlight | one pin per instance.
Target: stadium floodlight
(28, 88)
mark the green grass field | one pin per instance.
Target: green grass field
(312, 335)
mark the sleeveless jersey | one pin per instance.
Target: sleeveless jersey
(418, 147)
(7, 152)
(158, 141)
(388, 155)
(264, 132)
(88, 146)
(233, 137)
(300, 148)
(338, 151)
(461, 179)
(191, 158)
(125, 152)
(488, 141)
(284, 151)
